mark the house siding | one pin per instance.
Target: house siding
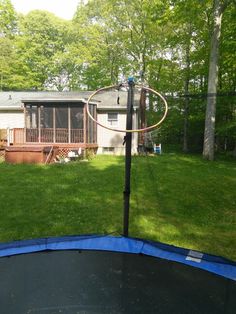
(111, 142)
(11, 119)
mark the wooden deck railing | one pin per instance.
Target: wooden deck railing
(77, 136)
(16, 136)
(32, 135)
(48, 136)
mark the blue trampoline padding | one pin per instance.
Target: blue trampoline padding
(211, 263)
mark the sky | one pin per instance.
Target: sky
(61, 8)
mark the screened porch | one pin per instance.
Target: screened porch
(63, 123)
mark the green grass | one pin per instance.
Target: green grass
(177, 199)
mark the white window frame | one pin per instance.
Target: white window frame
(112, 121)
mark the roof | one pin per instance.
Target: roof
(114, 100)
(12, 100)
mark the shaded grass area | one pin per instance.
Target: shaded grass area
(177, 199)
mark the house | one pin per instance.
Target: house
(60, 119)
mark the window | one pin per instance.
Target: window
(108, 150)
(112, 118)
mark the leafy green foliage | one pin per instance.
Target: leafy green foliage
(8, 18)
(42, 38)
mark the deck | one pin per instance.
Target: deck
(24, 144)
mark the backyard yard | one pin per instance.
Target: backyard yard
(177, 199)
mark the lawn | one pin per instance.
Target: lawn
(177, 199)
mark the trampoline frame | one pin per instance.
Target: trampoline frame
(214, 264)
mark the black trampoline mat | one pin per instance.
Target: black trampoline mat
(106, 282)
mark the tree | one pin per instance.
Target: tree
(98, 44)
(6, 60)
(8, 19)
(219, 7)
(8, 31)
(41, 38)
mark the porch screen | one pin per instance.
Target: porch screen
(32, 115)
(77, 124)
(61, 121)
(91, 126)
(46, 124)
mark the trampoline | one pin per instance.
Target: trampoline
(106, 274)
(95, 274)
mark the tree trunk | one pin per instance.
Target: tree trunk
(185, 138)
(234, 151)
(186, 99)
(142, 108)
(209, 134)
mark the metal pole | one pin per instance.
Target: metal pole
(128, 147)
